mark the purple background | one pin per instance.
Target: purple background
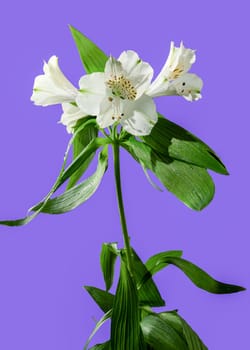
(44, 265)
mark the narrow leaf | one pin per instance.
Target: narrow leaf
(160, 335)
(125, 323)
(189, 183)
(108, 258)
(87, 131)
(93, 58)
(191, 337)
(81, 158)
(78, 194)
(97, 327)
(103, 346)
(29, 218)
(172, 140)
(103, 299)
(63, 176)
(158, 261)
(148, 292)
(199, 277)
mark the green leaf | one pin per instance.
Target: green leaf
(160, 335)
(125, 323)
(103, 346)
(93, 58)
(158, 261)
(108, 258)
(181, 326)
(189, 183)
(103, 298)
(78, 194)
(173, 141)
(63, 176)
(87, 131)
(148, 292)
(199, 277)
(29, 218)
(81, 158)
(97, 327)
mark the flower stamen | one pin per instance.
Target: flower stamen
(122, 87)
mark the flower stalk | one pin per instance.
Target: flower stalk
(126, 238)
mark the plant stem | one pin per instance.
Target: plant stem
(126, 238)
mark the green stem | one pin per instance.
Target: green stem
(116, 152)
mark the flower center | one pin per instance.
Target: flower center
(176, 73)
(122, 87)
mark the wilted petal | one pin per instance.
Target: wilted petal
(52, 87)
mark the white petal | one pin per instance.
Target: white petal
(71, 114)
(92, 92)
(139, 116)
(112, 68)
(189, 86)
(105, 117)
(138, 72)
(52, 87)
(179, 61)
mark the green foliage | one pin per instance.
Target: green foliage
(199, 277)
(86, 130)
(97, 327)
(160, 335)
(190, 183)
(192, 340)
(108, 258)
(93, 58)
(148, 293)
(78, 194)
(103, 346)
(125, 323)
(171, 140)
(102, 298)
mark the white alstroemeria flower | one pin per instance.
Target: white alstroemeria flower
(118, 94)
(52, 87)
(173, 79)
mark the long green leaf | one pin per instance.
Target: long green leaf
(98, 326)
(64, 175)
(172, 140)
(86, 130)
(29, 218)
(148, 292)
(160, 335)
(81, 158)
(189, 183)
(103, 298)
(108, 258)
(181, 326)
(93, 58)
(103, 346)
(78, 194)
(158, 261)
(199, 277)
(125, 323)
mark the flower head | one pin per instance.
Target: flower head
(118, 94)
(173, 79)
(52, 87)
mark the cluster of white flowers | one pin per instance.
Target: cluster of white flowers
(122, 93)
